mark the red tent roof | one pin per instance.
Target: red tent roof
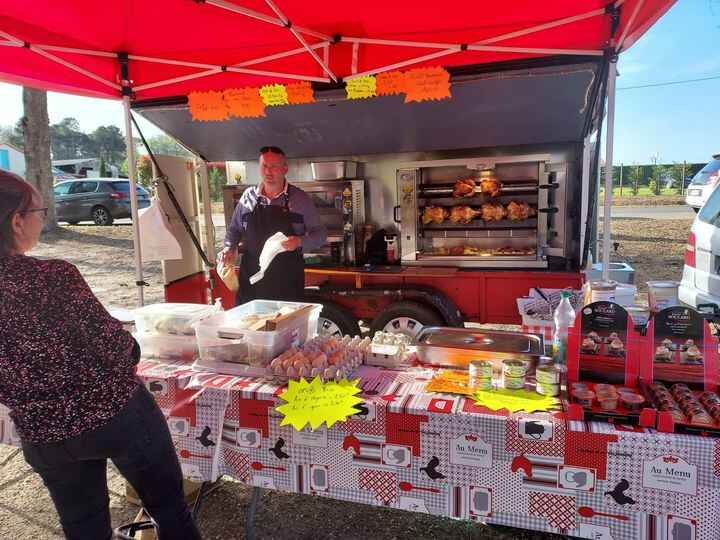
(179, 46)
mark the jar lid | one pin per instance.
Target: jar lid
(663, 284)
(603, 285)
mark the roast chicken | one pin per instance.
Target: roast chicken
(464, 188)
(492, 212)
(484, 252)
(434, 214)
(463, 214)
(519, 211)
(490, 186)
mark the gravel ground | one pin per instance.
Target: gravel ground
(643, 200)
(655, 248)
(104, 255)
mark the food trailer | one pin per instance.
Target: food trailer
(531, 227)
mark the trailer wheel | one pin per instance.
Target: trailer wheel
(337, 321)
(407, 318)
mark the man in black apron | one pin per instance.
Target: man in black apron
(273, 206)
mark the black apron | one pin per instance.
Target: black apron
(285, 277)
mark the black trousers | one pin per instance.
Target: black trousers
(138, 442)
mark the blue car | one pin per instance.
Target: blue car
(100, 200)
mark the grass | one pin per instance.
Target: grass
(643, 191)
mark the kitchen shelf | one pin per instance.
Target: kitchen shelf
(477, 224)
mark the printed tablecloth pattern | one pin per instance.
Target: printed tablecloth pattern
(441, 454)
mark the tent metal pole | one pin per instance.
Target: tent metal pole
(133, 202)
(612, 74)
(404, 63)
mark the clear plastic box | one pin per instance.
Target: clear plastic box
(252, 347)
(160, 347)
(172, 319)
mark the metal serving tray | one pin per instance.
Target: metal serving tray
(456, 347)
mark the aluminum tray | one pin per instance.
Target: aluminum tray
(456, 347)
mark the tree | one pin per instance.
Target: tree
(165, 145)
(633, 178)
(67, 141)
(108, 144)
(654, 186)
(144, 171)
(36, 134)
(12, 135)
(217, 178)
(679, 172)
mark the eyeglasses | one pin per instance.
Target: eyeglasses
(273, 149)
(43, 210)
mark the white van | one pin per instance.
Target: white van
(701, 274)
(703, 184)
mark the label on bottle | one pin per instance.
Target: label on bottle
(559, 350)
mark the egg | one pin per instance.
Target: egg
(330, 372)
(315, 372)
(291, 372)
(275, 363)
(299, 364)
(303, 372)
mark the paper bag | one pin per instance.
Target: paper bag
(272, 247)
(157, 242)
(227, 274)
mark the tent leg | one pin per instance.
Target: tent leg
(133, 201)
(612, 74)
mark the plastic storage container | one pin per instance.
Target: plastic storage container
(222, 340)
(158, 346)
(172, 319)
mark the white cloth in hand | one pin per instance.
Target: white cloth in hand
(273, 247)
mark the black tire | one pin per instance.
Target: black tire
(101, 216)
(421, 313)
(345, 321)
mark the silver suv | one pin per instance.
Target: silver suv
(703, 184)
(101, 200)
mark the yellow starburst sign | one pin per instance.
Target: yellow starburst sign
(317, 402)
(514, 400)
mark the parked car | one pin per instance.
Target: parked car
(701, 274)
(60, 175)
(101, 200)
(703, 184)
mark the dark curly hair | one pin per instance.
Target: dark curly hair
(15, 196)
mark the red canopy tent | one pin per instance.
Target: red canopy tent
(136, 50)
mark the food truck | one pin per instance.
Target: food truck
(520, 138)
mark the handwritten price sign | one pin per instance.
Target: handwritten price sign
(315, 402)
(514, 400)
(207, 106)
(244, 102)
(427, 83)
(361, 87)
(274, 95)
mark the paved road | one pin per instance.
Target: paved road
(652, 212)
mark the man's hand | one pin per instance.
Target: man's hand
(292, 243)
(228, 256)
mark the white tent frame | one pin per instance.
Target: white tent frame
(444, 49)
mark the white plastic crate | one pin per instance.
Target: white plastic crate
(174, 319)
(158, 346)
(222, 340)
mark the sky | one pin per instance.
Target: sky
(675, 123)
